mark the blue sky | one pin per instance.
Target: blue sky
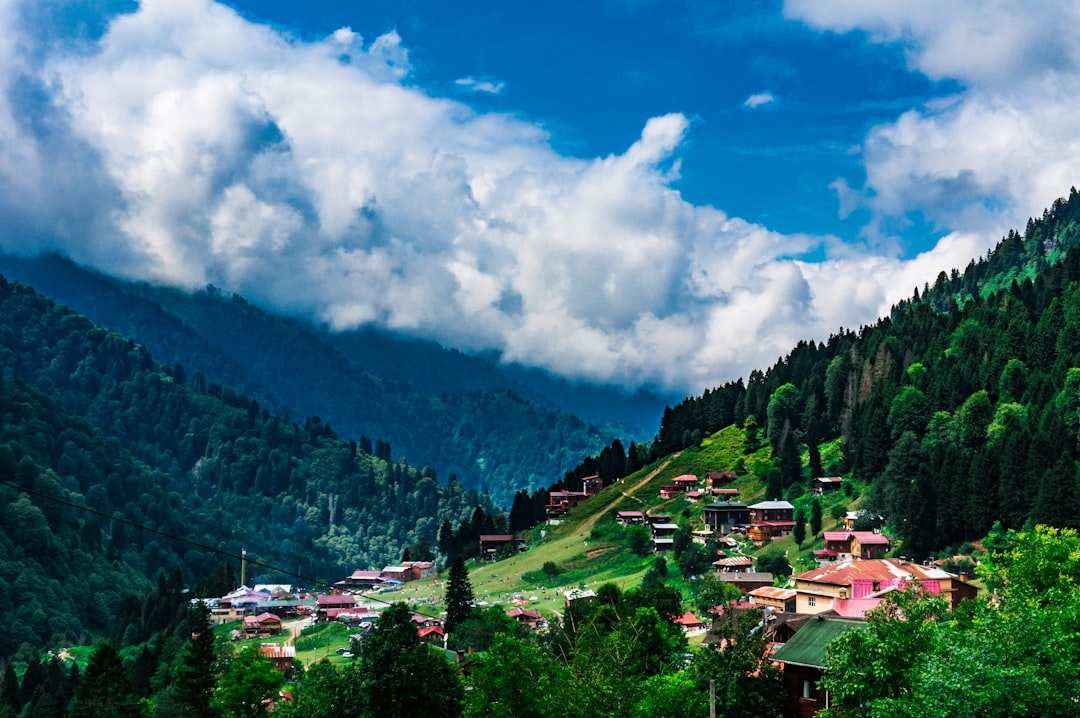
(663, 194)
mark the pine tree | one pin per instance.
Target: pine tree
(105, 689)
(815, 516)
(459, 595)
(195, 680)
(799, 532)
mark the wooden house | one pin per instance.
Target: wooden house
(803, 659)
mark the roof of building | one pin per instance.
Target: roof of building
(685, 478)
(524, 613)
(666, 527)
(335, 600)
(745, 577)
(881, 569)
(687, 619)
(773, 592)
(734, 561)
(829, 479)
(807, 647)
(865, 538)
(630, 514)
(272, 650)
(773, 505)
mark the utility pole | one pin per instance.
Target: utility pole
(243, 565)
(712, 698)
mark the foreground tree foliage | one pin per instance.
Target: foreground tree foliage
(1015, 654)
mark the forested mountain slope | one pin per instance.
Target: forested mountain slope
(496, 431)
(87, 417)
(962, 408)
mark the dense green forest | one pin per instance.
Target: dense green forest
(497, 428)
(960, 408)
(87, 417)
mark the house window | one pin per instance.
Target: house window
(806, 688)
(811, 601)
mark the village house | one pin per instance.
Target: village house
(560, 502)
(746, 581)
(669, 491)
(770, 520)
(324, 603)
(781, 599)
(282, 658)
(689, 623)
(825, 485)
(723, 517)
(262, 626)
(826, 588)
(803, 659)
(592, 485)
(433, 634)
(629, 518)
(725, 494)
(532, 619)
(579, 594)
(653, 519)
(663, 543)
(718, 479)
(694, 495)
(490, 544)
(846, 545)
(686, 482)
(734, 564)
(361, 580)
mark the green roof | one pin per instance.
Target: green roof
(807, 647)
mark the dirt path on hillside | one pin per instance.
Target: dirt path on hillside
(589, 522)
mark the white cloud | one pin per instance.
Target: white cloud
(1000, 149)
(474, 85)
(192, 146)
(759, 99)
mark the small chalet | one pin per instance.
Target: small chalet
(866, 581)
(491, 543)
(361, 580)
(703, 537)
(629, 518)
(803, 658)
(746, 581)
(262, 626)
(663, 543)
(420, 569)
(532, 619)
(560, 502)
(694, 495)
(281, 657)
(689, 622)
(686, 482)
(716, 479)
(670, 491)
(825, 485)
(723, 517)
(782, 599)
(579, 594)
(856, 544)
(770, 520)
(592, 485)
(244, 598)
(725, 494)
(332, 601)
(660, 530)
(652, 519)
(432, 634)
(734, 564)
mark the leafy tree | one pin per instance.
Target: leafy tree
(838, 512)
(324, 691)
(638, 540)
(671, 695)
(104, 689)
(402, 677)
(710, 592)
(512, 679)
(459, 595)
(748, 684)
(774, 562)
(479, 630)
(246, 685)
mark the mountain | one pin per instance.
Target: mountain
(114, 468)
(497, 428)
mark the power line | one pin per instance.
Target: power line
(206, 547)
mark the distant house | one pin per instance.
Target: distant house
(726, 494)
(689, 622)
(281, 657)
(532, 619)
(592, 485)
(579, 594)
(332, 601)
(420, 569)
(361, 580)
(723, 517)
(652, 519)
(560, 502)
(803, 658)
(629, 518)
(670, 491)
(686, 482)
(694, 495)
(734, 564)
(262, 626)
(770, 520)
(782, 599)
(856, 544)
(746, 581)
(664, 529)
(716, 479)
(490, 544)
(432, 634)
(825, 485)
(663, 543)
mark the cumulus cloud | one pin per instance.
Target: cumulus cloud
(1000, 149)
(758, 99)
(188, 145)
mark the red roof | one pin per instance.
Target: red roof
(335, 600)
(687, 619)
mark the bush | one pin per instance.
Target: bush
(551, 569)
